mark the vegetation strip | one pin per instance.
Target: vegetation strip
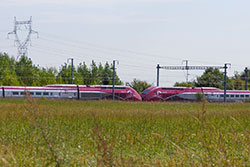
(40, 132)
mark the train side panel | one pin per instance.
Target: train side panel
(191, 94)
(73, 92)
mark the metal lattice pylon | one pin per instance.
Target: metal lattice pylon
(22, 46)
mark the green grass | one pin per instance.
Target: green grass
(106, 133)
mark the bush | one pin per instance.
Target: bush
(200, 96)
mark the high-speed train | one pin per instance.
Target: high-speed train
(60, 91)
(191, 94)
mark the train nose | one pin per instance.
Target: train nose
(139, 98)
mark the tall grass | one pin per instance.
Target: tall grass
(106, 133)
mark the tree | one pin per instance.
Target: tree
(210, 78)
(107, 75)
(139, 85)
(184, 84)
(213, 78)
(47, 76)
(25, 70)
(84, 74)
(64, 75)
(237, 82)
(94, 73)
(242, 77)
(7, 70)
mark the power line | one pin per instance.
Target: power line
(62, 52)
(79, 53)
(112, 49)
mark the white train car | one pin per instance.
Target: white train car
(20, 92)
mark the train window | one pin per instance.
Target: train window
(27, 93)
(227, 95)
(59, 94)
(91, 95)
(221, 95)
(38, 93)
(247, 95)
(15, 93)
(74, 94)
(237, 95)
(146, 91)
(241, 95)
(46, 93)
(231, 95)
(51, 94)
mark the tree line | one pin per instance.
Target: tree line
(23, 72)
(215, 78)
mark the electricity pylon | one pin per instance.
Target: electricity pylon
(22, 46)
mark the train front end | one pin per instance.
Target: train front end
(132, 95)
(162, 93)
(151, 94)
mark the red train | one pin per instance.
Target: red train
(95, 92)
(192, 94)
(58, 91)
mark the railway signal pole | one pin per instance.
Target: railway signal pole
(187, 67)
(225, 81)
(158, 73)
(113, 79)
(246, 77)
(72, 70)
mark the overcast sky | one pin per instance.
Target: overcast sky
(138, 33)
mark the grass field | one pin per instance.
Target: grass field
(106, 133)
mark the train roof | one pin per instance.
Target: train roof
(74, 85)
(175, 87)
(212, 89)
(34, 88)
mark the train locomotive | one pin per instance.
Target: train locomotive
(60, 91)
(193, 94)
